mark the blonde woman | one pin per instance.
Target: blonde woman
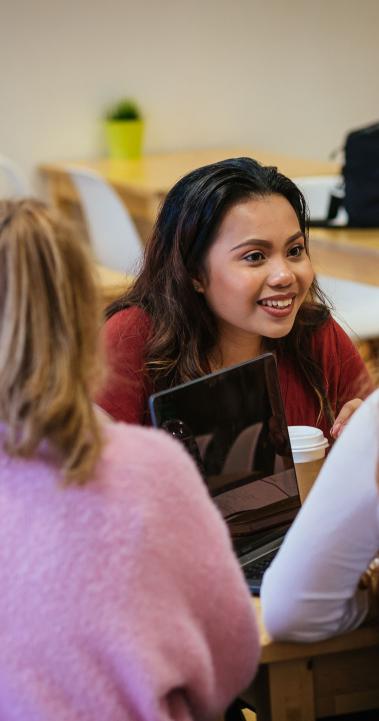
(120, 595)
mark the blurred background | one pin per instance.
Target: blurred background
(289, 76)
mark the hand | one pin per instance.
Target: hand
(344, 416)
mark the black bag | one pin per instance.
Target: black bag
(361, 175)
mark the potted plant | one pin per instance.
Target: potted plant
(124, 129)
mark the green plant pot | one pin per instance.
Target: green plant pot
(124, 138)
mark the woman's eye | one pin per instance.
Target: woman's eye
(296, 251)
(254, 257)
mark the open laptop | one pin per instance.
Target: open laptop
(233, 424)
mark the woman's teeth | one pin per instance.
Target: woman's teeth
(277, 303)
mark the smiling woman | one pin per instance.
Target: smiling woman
(226, 276)
(256, 276)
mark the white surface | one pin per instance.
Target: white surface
(113, 235)
(317, 191)
(305, 455)
(310, 590)
(307, 443)
(356, 306)
(306, 437)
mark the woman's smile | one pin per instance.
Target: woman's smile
(257, 272)
(279, 306)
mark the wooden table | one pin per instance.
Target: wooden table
(112, 283)
(349, 253)
(299, 682)
(144, 182)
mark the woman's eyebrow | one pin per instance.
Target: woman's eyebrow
(267, 243)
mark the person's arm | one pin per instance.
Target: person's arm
(311, 589)
(124, 392)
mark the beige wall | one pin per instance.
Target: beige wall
(285, 75)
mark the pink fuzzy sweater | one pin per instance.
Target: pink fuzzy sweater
(121, 600)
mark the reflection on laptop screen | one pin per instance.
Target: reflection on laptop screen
(233, 424)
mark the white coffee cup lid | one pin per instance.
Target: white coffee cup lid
(306, 438)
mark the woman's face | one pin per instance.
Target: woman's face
(257, 272)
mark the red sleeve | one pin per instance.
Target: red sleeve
(345, 373)
(125, 392)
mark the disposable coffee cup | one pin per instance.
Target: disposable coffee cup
(308, 447)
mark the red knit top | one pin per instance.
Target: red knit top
(126, 391)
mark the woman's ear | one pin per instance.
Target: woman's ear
(197, 285)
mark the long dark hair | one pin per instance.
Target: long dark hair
(183, 328)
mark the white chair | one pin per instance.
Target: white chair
(12, 180)
(113, 235)
(317, 191)
(356, 305)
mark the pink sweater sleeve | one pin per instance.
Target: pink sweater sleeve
(190, 606)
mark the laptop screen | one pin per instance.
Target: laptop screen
(233, 424)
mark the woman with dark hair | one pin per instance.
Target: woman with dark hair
(227, 276)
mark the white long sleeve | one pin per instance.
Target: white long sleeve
(310, 590)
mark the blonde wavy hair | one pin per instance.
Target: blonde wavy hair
(49, 324)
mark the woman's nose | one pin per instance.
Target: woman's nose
(281, 275)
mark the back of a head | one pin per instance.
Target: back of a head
(49, 323)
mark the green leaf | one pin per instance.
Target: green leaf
(125, 109)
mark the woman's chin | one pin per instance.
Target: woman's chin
(280, 331)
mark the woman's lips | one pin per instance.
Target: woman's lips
(276, 311)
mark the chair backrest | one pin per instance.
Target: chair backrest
(317, 190)
(113, 235)
(12, 180)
